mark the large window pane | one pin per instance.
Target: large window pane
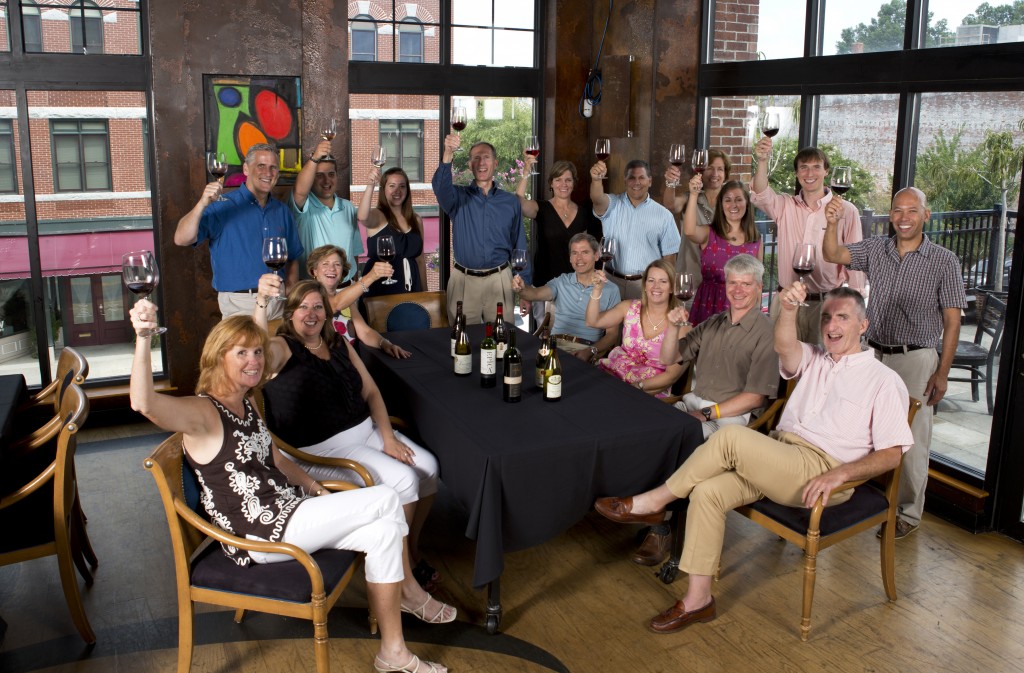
(490, 32)
(408, 34)
(749, 30)
(960, 24)
(82, 27)
(864, 27)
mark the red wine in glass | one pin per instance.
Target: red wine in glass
(533, 153)
(602, 156)
(518, 260)
(387, 252)
(803, 263)
(771, 133)
(141, 277)
(840, 189)
(276, 264)
(459, 126)
(676, 162)
(770, 124)
(141, 289)
(684, 287)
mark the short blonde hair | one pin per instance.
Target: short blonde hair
(238, 330)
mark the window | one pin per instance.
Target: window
(410, 41)
(81, 155)
(147, 160)
(32, 27)
(86, 29)
(403, 141)
(8, 171)
(491, 32)
(364, 39)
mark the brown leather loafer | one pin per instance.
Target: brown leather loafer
(676, 618)
(619, 510)
(654, 549)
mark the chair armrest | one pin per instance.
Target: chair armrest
(343, 463)
(29, 488)
(44, 396)
(334, 485)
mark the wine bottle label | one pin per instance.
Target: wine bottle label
(487, 362)
(500, 350)
(453, 346)
(540, 378)
(463, 364)
(553, 386)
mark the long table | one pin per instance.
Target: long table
(527, 472)
(12, 394)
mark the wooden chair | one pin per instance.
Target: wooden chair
(307, 587)
(32, 416)
(406, 311)
(39, 516)
(820, 527)
(975, 358)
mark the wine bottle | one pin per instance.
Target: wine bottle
(463, 354)
(512, 382)
(553, 376)
(455, 326)
(500, 333)
(542, 361)
(488, 361)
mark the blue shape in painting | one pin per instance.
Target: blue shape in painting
(229, 96)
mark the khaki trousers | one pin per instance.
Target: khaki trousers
(480, 296)
(737, 466)
(628, 289)
(808, 319)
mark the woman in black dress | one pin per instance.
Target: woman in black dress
(394, 217)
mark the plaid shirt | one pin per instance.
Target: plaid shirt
(908, 294)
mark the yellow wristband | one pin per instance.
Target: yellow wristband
(718, 412)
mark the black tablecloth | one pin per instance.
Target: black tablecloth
(12, 394)
(527, 472)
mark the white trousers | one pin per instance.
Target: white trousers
(368, 520)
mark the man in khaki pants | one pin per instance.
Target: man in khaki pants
(846, 419)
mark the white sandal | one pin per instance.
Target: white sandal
(439, 618)
(413, 666)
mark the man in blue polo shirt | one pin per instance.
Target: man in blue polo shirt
(571, 292)
(643, 229)
(487, 225)
(236, 227)
(323, 217)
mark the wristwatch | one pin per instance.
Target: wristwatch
(707, 411)
(593, 352)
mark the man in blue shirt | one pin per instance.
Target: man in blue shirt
(236, 228)
(323, 217)
(643, 229)
(487, 225)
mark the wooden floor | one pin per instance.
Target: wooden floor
(573, 604)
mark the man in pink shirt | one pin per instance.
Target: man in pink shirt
(846, 420)
(801, 219)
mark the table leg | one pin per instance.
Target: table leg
(493, 617)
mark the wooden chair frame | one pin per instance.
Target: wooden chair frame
(189, 530)
(72, 367)
(379, 307)
(59, 476)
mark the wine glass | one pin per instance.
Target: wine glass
(608, 250)
(141, 276)
(803, 263)
(699, 160)
(218, 167)
(770, 124)
(603, 150)
(518, 260)
(532, 147)
(275, 254)
(842, 179)
(459, 121)
(684, 286)
(330, 129)
(380, 156)
(676, 157)
(386, 253)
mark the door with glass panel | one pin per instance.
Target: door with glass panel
(95, 310)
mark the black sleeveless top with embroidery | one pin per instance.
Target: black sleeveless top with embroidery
(241, 489)
(312, 399)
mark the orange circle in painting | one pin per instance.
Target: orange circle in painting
(274, 116)
(249, 135)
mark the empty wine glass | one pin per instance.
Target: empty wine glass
(532, 147)
(770, 124)
(842, 179)
(603, 150)
(676, 157)
(218, 167)
(141, 276)
(803, 264)
(275, 255)
(518, 260)
(386, 253)
(699, 161)
(459, 121)
(380, 156)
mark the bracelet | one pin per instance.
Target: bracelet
(363, 285)
(259, 305)
(598, 296)
(718, 412)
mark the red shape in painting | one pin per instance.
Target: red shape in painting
(274, 116)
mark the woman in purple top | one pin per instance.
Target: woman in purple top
(732, 232)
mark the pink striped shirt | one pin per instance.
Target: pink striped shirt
(799, 223)
(847, 408)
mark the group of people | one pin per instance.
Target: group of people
(846, 418)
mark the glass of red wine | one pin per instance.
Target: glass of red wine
(386, 253)
(803, 263)
(218, 167)
(603, 150)
(842, 179)
(275, 254)
(699, 161)
(141, 276)
(770, 124)
(608, 250)
(532, 147)
(518, 260)
(684, 286)
(459, 121)
(676, 157)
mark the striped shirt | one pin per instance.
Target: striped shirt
(847, 408)
(799, 223)
(908, 294)
(643, 233)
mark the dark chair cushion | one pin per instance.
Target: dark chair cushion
(287, 581)
(28, 523)
(408, 316)
(190, 489)
(866, 501)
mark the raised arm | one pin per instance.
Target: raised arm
(441, 183)
(831, 250)
(597, 195)
(530, 206)
(786, 343)
(187, 231)
(763, 152)
(368, 216)
(609, 319)
(678, 327)
(304, 180)
(671, 197)
(698, 235)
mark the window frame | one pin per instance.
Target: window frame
(81, 135)
(399, 157)
(412, 26)
(7, 148)
(35, 17)
(89, 15)
(363, 21)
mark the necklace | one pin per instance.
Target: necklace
(654, 327)
(316, 347)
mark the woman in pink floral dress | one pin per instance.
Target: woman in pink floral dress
(643, 320)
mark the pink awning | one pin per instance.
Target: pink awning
(72, 254)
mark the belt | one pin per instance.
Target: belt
(480, 273)
(624, 276)
(251, 290)
(811, 296)
(573, 339)
(890, 350)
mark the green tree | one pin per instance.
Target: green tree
(1000, 15)
(782, 177)
(950, 174)
(506, 134)
(885, 32)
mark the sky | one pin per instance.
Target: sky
(777, 38)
